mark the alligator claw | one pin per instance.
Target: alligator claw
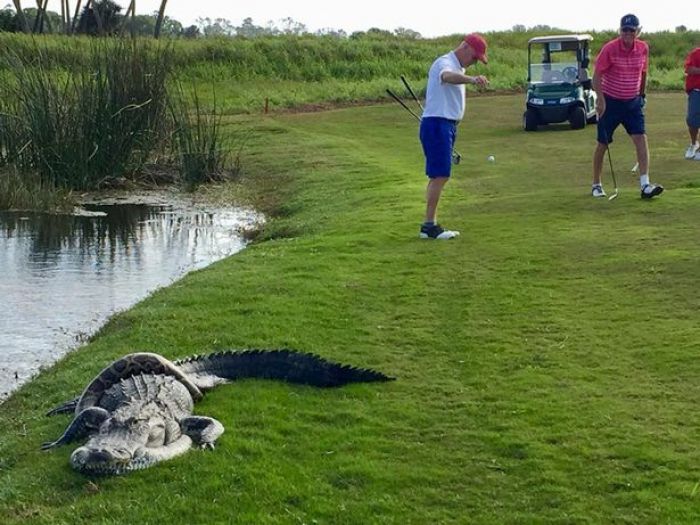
(48, 445)
(65, 408)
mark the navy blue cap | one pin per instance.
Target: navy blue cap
(629, 21)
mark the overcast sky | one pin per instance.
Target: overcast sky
(447, 17)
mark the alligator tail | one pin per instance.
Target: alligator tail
(286, 365)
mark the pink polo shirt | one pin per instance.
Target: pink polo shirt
(621, 69)
(692, 81)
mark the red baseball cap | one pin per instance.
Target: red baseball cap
(478, 44)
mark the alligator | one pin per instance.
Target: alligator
(139, 410)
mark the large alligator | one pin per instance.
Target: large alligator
(138, 411)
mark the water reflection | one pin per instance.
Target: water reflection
(61, 277)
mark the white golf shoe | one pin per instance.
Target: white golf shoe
(598, 191)
(691, 151)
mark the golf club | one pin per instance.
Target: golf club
(456, 157)
(410, 90)
(612, 173)
(397, 99)
(612, 170)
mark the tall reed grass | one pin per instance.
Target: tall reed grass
(83, 124)
(202, 151)
(26, 191)
(85, 127)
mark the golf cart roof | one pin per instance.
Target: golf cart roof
(560, 38)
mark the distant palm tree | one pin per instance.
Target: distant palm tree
(99, 17)
(20, 15)
(159, 22)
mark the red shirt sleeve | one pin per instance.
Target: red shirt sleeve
(646, 58)
(693, 59)
(602, 61)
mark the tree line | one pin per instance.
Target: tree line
(106, 17)
(98, 17)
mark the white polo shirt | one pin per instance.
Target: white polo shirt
(443, 99)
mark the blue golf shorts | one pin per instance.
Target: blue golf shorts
(692, 118)
(629, 113)
(437, 135)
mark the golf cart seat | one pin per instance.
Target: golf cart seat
(583, 75)
(552, 76)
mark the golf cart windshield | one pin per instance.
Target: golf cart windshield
(557, 61)
(552, 73)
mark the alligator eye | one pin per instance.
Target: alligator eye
(135, 420)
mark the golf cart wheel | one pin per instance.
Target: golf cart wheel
(577, 118)
(530, 120)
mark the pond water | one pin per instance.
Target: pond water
(63, 276)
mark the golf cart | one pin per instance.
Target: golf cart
(558, 86)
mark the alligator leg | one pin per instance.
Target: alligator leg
(64, 408)
(148, 456)
(88, 421)
(203, 430)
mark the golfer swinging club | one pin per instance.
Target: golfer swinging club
(620, 81)
(444, 108)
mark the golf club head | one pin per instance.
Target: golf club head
(456, 158)
(614, 195)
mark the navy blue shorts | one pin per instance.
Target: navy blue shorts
(629, 113)
(692, 117)
(437, 135)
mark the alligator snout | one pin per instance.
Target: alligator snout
(99, 459)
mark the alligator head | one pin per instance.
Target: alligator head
(132, 438)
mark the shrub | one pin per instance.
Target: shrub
(203, 155)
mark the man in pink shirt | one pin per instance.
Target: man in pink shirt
(692, 87)
(620, 82)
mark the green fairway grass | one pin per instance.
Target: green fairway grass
(546, 361)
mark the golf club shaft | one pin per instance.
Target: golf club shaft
(410, 90)
(393, 95)
(612, 170)
(397, 99)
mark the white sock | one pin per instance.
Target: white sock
(643, 180)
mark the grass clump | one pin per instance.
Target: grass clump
(96, 123)
(27, 191)
(112, 119)
(202, 151)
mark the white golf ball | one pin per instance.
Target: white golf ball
(491, 158)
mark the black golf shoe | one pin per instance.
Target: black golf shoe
(651, 190)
